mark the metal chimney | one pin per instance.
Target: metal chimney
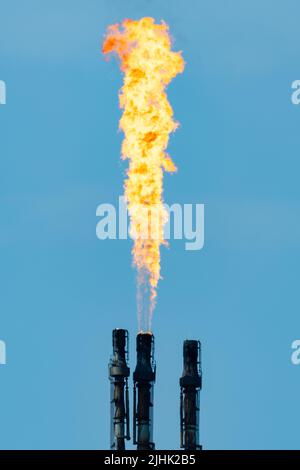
(143, 379)
(119, 401)
(190, 386)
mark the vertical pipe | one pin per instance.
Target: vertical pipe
(181, 419)
(118, 374)
(127, 412)
(190, 386)
(144, 378)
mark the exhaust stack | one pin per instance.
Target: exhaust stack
(190, 386)
(143, 380)
(119, 401)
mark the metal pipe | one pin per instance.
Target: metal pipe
(144, 378)
(118, 374)
(190, 386)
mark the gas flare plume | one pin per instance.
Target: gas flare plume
(149, 65)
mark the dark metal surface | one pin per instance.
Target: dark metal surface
(190, 386)
(144, 378)
(118, 374)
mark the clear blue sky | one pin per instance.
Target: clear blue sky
(62, 290)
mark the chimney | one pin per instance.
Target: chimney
(190, 386)
(143, 380)
(119, 399)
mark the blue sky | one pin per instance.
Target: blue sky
(63, 291)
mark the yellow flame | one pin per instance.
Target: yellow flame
(149, 65)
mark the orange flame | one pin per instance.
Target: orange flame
(149, 65)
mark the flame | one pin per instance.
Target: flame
(149, 65)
